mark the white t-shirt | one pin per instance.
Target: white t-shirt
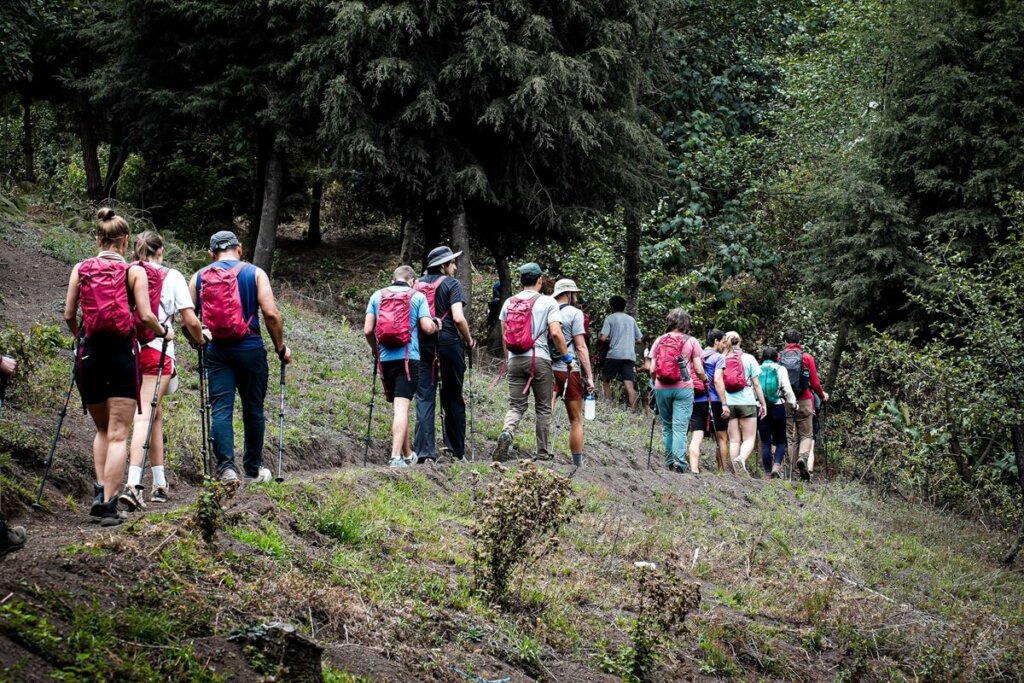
(174, 297)
(544, 312)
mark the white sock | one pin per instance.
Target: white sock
(158, 475)
(134, 476)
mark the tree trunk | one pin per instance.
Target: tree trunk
(1017, 434)
(264, 143)
(28, 149)
(837, 357)
(501, 265)
(115, 163)
(313, 236)
(90, 156)
(464, 263)
(266, 243)
(412, 241)
(631, 275)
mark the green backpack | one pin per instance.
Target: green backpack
(770, 382)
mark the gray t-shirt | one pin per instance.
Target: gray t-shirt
(572, 324)
(545, 312)
(623, 334)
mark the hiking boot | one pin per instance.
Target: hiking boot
(398, 461)
(132, 498)
(544, 456)
(11, 538)
(501, 452)
(230, 478)
(96, 510)
(263, 477)
(111, 515)
(158, 495)
(801, 465)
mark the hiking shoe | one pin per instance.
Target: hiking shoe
(230, 478)
(96, 510)
(132, 498)
(776, 472)
(426, 459)
(544, 456)
(398, 461)
(11, 538)
(111, 515)
(501, 452)
(262, 477)
(801, 465)
(577, 460)
(158, 495)
(740, 468)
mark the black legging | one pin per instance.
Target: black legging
(772, 429)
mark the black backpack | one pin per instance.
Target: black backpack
(799, 377)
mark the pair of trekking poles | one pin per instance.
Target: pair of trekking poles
(373, 396)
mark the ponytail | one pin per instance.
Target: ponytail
(732, 342)
(147, 244)
(110, 228)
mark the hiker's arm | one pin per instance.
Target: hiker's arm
(459, 318)
(698, 365)
(271, 316)
(71, 303)
(190, 324)
(139, 284)
(720, 389)
(369, 324)
(580, 342)
(429, 325)
(762, 407)
(504, 346)
(812, 370)
(555, 330)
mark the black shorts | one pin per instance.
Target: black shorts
(106, 369)
(397, 384)
(699, 417)
(619, 368)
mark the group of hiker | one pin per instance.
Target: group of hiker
(126, 352)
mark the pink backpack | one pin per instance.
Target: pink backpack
(103, 294)
(519, 325)
(155, 281)
(667, 357)
(222, 303)
(393, 329)
(429, 290)
(734, 373)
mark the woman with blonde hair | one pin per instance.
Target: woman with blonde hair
(108, 289)
(738, 382)
(174, 300)
(675, 359)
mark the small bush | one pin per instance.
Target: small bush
(664, 601)
(517, 511)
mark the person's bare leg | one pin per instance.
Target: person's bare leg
(607, 389)
(575, 411)
(748, 430)
(400, 428)
(696, 439)
(630, 392)
(101, 416)
(118, 425)
(724, 462)
(734, 440)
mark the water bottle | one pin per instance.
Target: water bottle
(590, 407)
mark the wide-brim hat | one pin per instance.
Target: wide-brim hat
(440, 256)
(565, 285)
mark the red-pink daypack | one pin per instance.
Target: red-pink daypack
(222, 303)
(668, 355)
(394, 329)
(519, 336)
(734, 373)
(155, 280)
(429, 290)
(103, 294)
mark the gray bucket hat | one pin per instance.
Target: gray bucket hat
(439, 256)
(563, 286)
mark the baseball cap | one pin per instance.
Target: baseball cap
(225, 239)
(530, 269)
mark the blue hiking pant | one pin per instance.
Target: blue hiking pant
(772, 430)
(246, 372)
(675, 407)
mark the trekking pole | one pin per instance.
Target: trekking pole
(824, 440)
(650, 443)
(280, 441)
(472, 450)
(369, 420)
(3, 392)
(202, 411)
(153, 406)
(56, 433)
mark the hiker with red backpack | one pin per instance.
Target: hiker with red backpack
(168, 297)
(229, 295)
(738, 380)
(108, 289)
(442, 359)
(572, 382)
(676, 364)
(803, 376)
(778, 395)
(707, 408)
(396, 317)
(527, 320)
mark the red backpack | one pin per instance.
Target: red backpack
(519, 325)
(393, 311)
(667, 356)
(103, 294)
(734, 373)
(429, 290)
(222, 303)
(155, 280)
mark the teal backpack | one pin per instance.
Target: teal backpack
(770, 382)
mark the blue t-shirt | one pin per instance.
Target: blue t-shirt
(418, 309)
(711, 362)
(250, 306)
